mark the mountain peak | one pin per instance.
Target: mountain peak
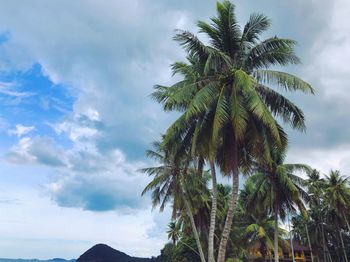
(104, 253)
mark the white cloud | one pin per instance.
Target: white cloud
(97, 52)
(45, 230)
(91, 180)
(6, 88)
(116, 188)
(330, 65)
(75, 131)
(37, 150)
(21, 130)
(324, 160)
(19, 153)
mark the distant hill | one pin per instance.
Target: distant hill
(98, 253)
(104, 253)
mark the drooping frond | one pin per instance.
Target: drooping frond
(298, 168)
(239, 115)
(176, 97)
(260, 110)
(273, 51)
(202, 100)
(192, 44)
(185, 70)
(222, 114)
(282, 107)
(281, 79)
(212, 32)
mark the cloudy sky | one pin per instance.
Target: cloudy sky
(76, 117)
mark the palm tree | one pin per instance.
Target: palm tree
(174, 232)
(337, 195)
(259, 225)
(301, 232)
(315, 218)
(278, 189)
(260, 229)
(169, 184)
(337, 200)
(228, 111)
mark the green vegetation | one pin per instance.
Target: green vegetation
(231, 122)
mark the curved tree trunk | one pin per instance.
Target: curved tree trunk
(291, 239)
(276, 232)
(194, 229)
(229, 217)
(211, 257)
(324, 243)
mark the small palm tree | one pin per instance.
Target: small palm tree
(278, 189)
(174, 232)
(337, 201)
(337, 195)
(260, 230)
(315, 222)
(170, 184)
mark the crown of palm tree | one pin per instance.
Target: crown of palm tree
(224, 95)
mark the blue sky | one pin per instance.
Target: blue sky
(76, 116)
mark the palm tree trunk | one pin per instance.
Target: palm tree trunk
(194, 229)
(229, 217)
(291, 239)
(343, 246)
(324, 243)
(211, 257)
(308, 240)
(329, 255)
(276, 232)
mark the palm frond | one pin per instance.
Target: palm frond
(256, 24)
(282, 107)
(281, 79)
(272, 51)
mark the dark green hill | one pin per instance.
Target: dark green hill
(104, 253)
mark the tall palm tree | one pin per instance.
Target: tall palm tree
(228, 111)
(278, 189)
(315, 220)
(169, 184)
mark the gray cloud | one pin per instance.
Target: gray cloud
(110, 60)
(41, 150)
(88, 179)
(99, 192)
(114, 59)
